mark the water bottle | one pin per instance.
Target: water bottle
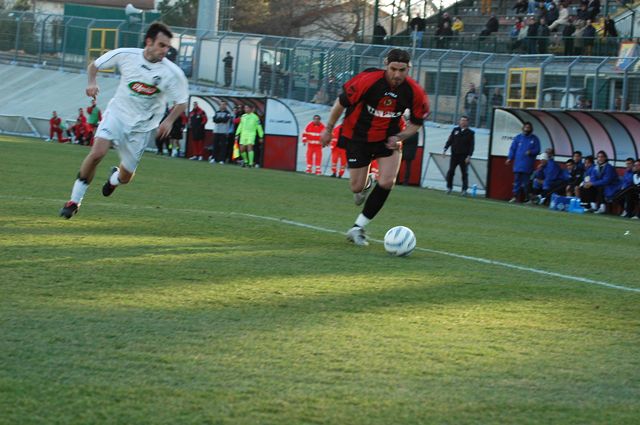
(474, 190)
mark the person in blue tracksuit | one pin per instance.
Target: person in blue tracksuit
(627, 196)
(602, 184)
(555, 177)
(523, 151)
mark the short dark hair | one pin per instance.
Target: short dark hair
(603, 154)
(577, 153)
(398, 55)
(316, 116)
(629, 159)
(529, 124)
(156, 28)
(464, 116)
(589, 158)
(570, 161)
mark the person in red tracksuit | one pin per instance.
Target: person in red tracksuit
(55, 128)
(80, 128)
(197, 121)
(337, 154)
(311, 138)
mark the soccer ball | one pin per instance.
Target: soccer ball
(399, 241)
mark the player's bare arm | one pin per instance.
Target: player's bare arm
(92, 84)
(395, 142)
(334, 116)
(165, 126)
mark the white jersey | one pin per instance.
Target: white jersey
(145, 88)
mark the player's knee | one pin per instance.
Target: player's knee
(386, 183)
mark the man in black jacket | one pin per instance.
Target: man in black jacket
(462, 142)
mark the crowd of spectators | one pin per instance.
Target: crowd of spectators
(550, 23)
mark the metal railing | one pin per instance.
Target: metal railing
(313, 70)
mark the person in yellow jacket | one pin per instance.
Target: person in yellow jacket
(246, 133)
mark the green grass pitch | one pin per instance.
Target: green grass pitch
(185, 298)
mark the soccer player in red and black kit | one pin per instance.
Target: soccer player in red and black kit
(375, 101)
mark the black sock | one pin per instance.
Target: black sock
(375, 201)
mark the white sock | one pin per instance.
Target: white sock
(114, 179)
(79, 189)
(594, 205)
(362, 221)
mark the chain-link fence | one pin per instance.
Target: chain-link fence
(459, 77)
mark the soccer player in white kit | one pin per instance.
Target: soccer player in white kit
(148, 82)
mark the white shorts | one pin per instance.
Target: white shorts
(129, 144)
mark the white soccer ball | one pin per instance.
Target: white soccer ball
(400, 241)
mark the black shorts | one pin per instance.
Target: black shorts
(361, 153)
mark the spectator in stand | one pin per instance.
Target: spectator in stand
(246, 133)
(518, 30)
(578, 41)
(520, 7)
(338, 154)
(443, 36)
(175, 136)
(444, 18)
(583, 14)
(491, 26)
(588, 38)
(563, 18)
(523, 151)
(94, 116)
(532, 36)
(471, 104)
(379, 34)
(593, 8)
(197, 121)
(600, 184)
(418, 26)
(462, 142)
(228, 69)
(543, 37)
(320, 97)
(55, 127)
(311, 138)
(567, 35)
(610, 33)
(555, 178)
(532, 7)
(627, 196)
(458, 26)
(551, 13)
(222, 121)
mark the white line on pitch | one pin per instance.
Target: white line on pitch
(324, 229)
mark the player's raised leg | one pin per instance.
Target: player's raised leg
(85, 176)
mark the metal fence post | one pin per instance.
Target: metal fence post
(481, 90)
(507, 67)
(17, 44)
(437, 85)
(543, 65)
(459, 86)
(256, 66)
(595, 84)
(568, 82)
(625, 84)
(235, 70)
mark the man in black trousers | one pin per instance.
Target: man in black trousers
(461, 141)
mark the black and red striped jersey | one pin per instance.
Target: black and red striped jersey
(374, 108)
